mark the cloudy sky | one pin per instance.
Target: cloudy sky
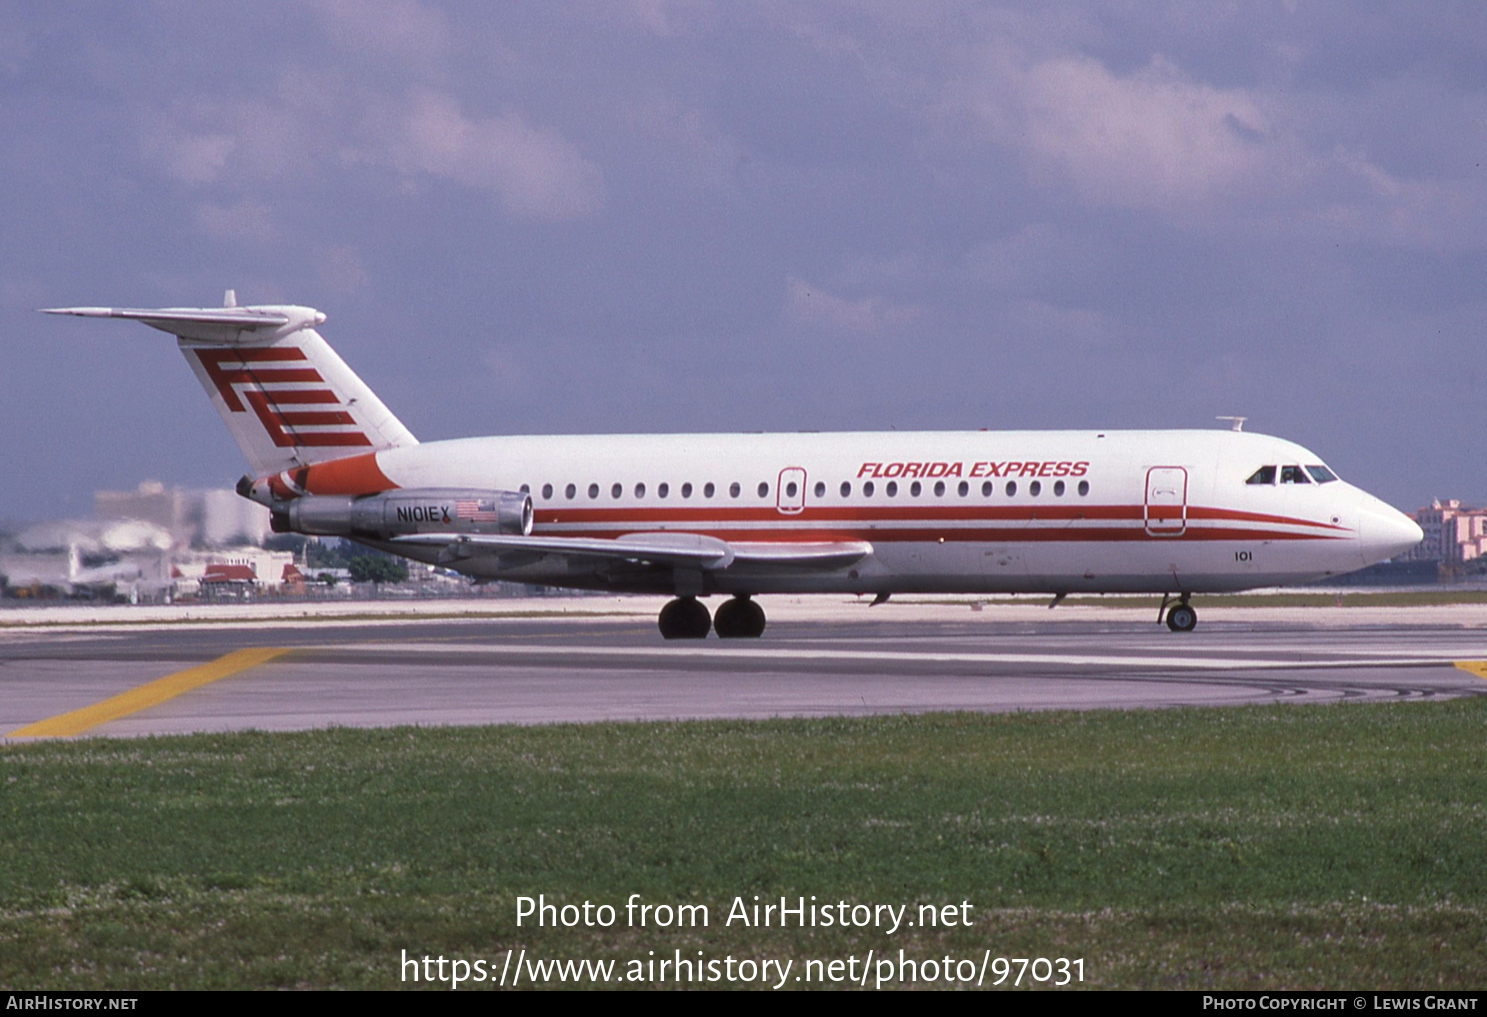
(678, 216)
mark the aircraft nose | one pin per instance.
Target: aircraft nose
(1386, 532)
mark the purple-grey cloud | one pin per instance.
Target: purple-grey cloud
(678, 216)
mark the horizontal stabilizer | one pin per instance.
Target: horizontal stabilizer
(206, 324)
(239, 316)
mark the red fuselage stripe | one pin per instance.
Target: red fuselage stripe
(990, 535)
(858, 518)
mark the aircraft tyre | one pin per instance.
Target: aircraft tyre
(739, 618)
(1181, 618)
(684, 618)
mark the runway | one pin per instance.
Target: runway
(813, 661)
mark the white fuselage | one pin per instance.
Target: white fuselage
(953, 512)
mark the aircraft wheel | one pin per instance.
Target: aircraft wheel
(739, 618)
(684, 618)
(1181, 618)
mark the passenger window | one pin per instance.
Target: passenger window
(1264, 475)
(570, 491)
(820, 489)
(708, 489)
(616, 491)
(891, 489)
(593, 490)
(525, 489)
(1035, 488)
(964, 489)
(939, 489)
(662, 490)
(1058, 488)
(1293, 475)
(868, 488)
(546, 491)
(687, 490)
(1321, 474)
(640, 490)
(915, 488)
(764, 490)
(734, 490)
(790, 489)
(846, 489)
(1011, 488)
(986, 489)
(1083, 488)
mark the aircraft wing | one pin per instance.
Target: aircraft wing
(684, 550)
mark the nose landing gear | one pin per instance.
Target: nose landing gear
(684, 618)
(1181, 617)
(739, 618)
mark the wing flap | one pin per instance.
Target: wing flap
(686, 550)
(683, 550)
(817, 554)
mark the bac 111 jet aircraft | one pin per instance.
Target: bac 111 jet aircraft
(690, 515)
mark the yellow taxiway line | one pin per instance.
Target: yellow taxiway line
(149, 694)
(1476, 667)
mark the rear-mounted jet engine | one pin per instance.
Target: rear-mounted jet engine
(403, 512)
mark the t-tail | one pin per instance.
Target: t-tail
(287, 397)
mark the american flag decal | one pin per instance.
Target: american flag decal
(476, 511)
(280, 385)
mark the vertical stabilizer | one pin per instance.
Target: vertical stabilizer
(287, 397)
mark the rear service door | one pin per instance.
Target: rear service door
(1166, 501)
(790, 492)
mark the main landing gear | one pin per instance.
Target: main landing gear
(686, 618)
(1180, 616)
(739, 618)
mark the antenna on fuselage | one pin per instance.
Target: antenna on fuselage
(1235, 423)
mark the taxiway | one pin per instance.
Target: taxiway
(603, 660)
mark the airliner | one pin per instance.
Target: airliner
(746, 515)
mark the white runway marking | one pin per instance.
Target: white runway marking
(712, 651)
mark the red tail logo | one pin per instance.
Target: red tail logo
(264, 377)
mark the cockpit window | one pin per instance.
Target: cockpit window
(1321, 474)
(1293, 475)
(1264, 475)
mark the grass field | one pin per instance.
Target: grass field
(1302, 847)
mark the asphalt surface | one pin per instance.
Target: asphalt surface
(537, 670)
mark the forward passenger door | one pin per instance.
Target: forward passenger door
(1166, 501)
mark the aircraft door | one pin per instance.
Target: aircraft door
(1166, 501)
(790, 491)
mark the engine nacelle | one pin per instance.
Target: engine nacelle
(401, 512)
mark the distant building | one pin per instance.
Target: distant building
(214, 518)
(151, 502)
(246, 568)
(1454, 533)
(227, 518)
(70, 554)
(149, 543)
